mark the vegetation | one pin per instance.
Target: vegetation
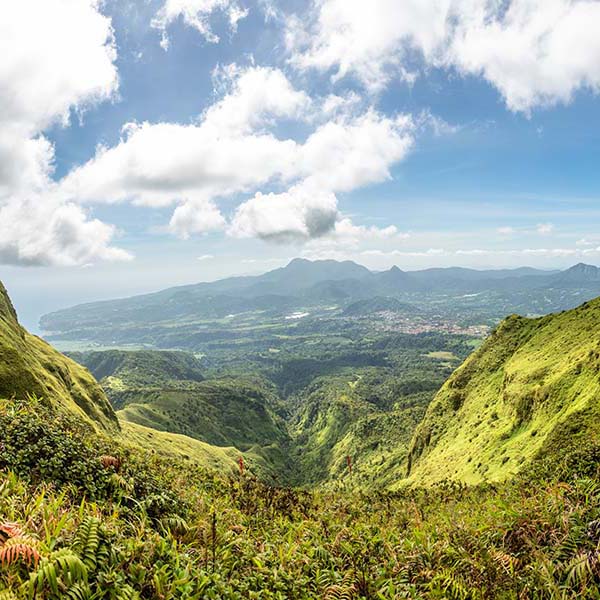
(29, 365)
(140, 526)
(259, 310)
(93, 507)
(531, 381)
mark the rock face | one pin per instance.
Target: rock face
(532, 390)
(31, 367)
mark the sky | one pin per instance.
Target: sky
(152, 143)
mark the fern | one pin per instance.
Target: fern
(581, 568)
(79, 591)
(452, 586)
(61, 570)
(126, 592)
(87, 542)
(340, 592)
(10, 530)
(19, 548)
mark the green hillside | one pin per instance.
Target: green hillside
(30, 366)
(142, 367)
(162, 399)
(531, 391)
(362, 421)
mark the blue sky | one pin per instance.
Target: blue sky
(163, 142)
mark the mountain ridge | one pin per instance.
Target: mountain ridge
(293, 286)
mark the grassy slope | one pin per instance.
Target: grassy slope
(531, 390)
(226, 414)
(139, 368)
(29, 365)
(216, 421)
(161, 528)
(177, 446)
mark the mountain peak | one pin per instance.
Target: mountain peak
(583, 267)
(580, 273)
(297, 261)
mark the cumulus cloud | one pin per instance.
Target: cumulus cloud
(346, 229)
(39, 231)
(535, 52)
(50, 68)
(231, 150)
(300, 214)
(254, 97)
(200, 216)
(344, 154)
(369, 40)
(197, 14)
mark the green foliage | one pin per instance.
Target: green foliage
(29, 366)
(527, 399)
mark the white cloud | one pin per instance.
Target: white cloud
(197, 14)
(254, 97)
(205, 257)
(535, 52)
(300, 214)
(60, 61)
(344, 154)
(40, 231)
(368, 39)
(200, 216)
(544, 228)
(506, 231)
(159, 164)
(230, 150)
(346, 229)
(49, 68)
(587, 242)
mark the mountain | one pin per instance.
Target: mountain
(377, 304)
(166, 392)
(532, 390)
(29, 366)
(578, 275)
(177, 317)
(159, 386)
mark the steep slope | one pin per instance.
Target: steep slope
(30, 366)
(531, 390)
(345, 433)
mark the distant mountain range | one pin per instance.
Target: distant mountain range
(303, 283)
